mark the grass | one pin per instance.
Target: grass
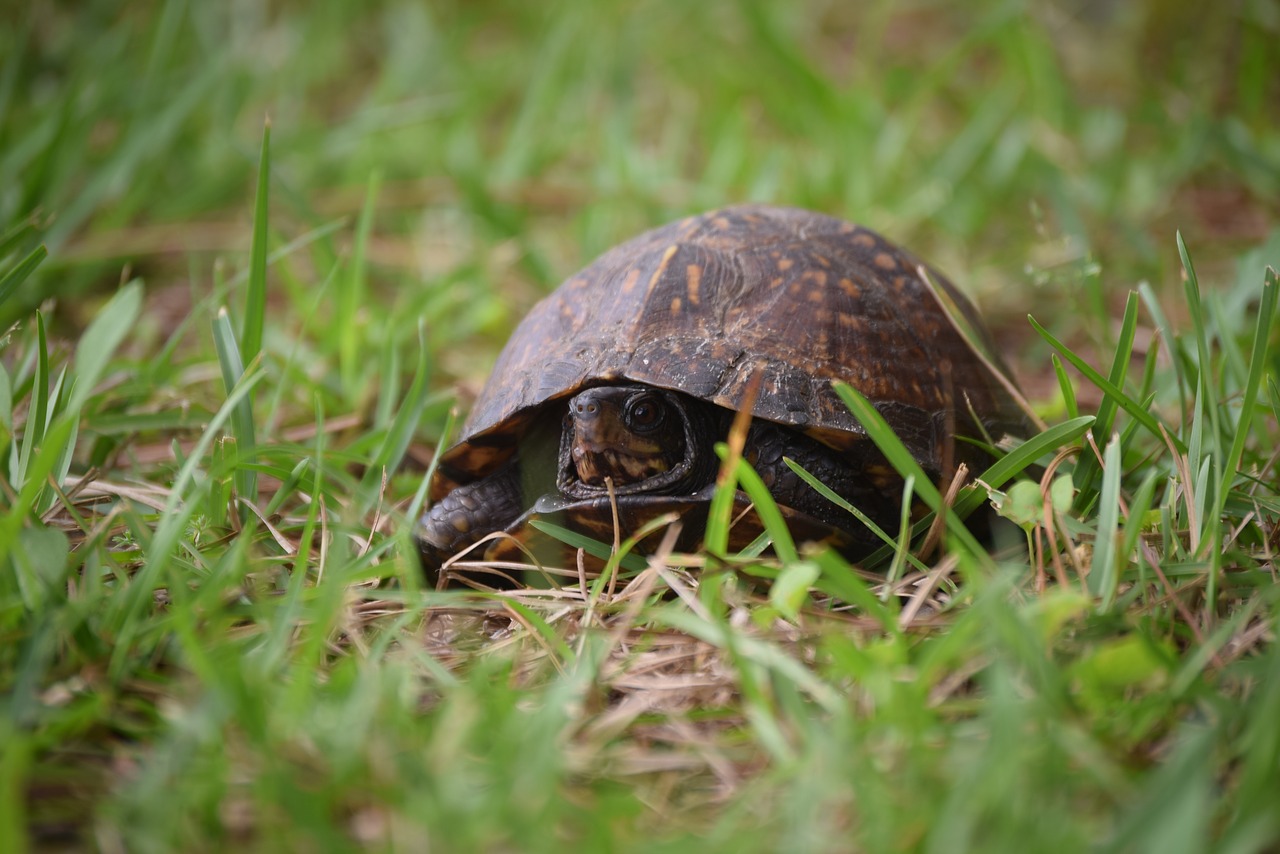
(230, 352)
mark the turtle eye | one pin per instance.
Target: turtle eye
(644, 413)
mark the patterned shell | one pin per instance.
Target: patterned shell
(703, 304)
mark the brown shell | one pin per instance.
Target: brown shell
(703, 304)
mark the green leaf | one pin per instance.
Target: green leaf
(1127, 662)
(1021, 504)
(790, 590)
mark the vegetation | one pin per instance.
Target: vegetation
(232, 347)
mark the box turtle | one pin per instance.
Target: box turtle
(627, 375)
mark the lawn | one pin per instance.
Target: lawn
(256, 260)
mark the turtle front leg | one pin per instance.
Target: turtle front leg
(467, 514)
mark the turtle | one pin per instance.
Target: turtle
(605, 405)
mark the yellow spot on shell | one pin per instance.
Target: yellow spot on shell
(850, 289)
(662, 265)
(847, 228)
(818, 277)
(721, 223)
(885, 261)
(675, 305)
(816, 295)
(862, 238)
(785, 264)
(694, 278)
(629, 283)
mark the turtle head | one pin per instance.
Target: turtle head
(630, 434)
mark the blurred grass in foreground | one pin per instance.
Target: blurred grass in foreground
(211, 629)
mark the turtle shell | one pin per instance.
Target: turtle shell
(704, 304)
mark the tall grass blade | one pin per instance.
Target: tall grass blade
(1088, 468)
(246, 477)
(1263, 330)
(1167, 337)
(766, 508)
(1104, 576)
(40, 465)
(255, 303)
(125, 616)
(900, 458)
(1110, 389)
(38, 411)
(1209, 402)
(351, 295)
(10, 281)
(397, 439)
(99, 342)
(6, 411)
(1024, 456)
(1065, 387)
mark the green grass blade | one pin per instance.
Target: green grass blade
(1065, 387)
(1139, 508)
(900, 458)
(1195, 305)
(1087, 469)
(1257, 366)
(1104, 577)
(766, 508)
(38, 411)
(764, 654)
(720, 513)
(246, 478)
(1112, 392)
(351, 295)
(6, 411)
(255, 303)
(15, 237)
(40, 466)
(179, 507)
(1273, 388)
(10, 281)
(397, 439)
(827, 493)
(15, 767)
(593, 547)
(100, 340)
(1167, 338)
